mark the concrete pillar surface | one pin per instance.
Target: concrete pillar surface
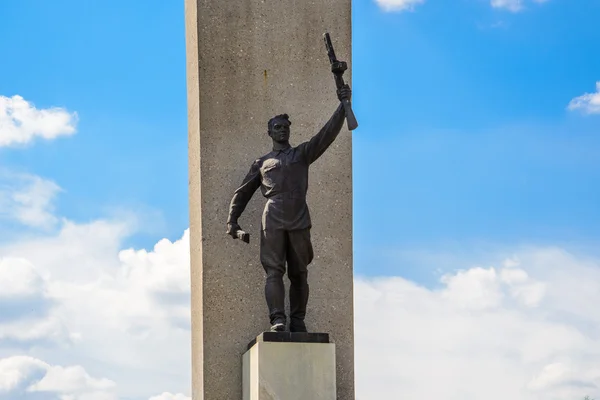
(248, 60)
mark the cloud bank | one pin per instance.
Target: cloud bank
(23, 377)
(73, 299)
(528, 329)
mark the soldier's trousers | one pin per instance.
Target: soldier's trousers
(276, 248)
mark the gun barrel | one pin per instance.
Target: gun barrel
(329, 47)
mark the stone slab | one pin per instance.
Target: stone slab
(248, 60)
(290, 337)
(289, 371)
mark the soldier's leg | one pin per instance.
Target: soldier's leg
(299, 256)
(272, 257)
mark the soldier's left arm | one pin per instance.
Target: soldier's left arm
(244, 193)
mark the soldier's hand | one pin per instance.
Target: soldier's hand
(344, 93)
(232, 230)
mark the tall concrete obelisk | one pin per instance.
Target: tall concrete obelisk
(248, 60)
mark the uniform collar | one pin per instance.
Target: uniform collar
(282, 149)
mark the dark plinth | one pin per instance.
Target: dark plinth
(290, 337)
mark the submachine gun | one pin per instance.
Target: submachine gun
(338, 68)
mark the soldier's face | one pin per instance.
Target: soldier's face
(280, 130)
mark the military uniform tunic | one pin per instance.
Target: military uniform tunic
(283, 179)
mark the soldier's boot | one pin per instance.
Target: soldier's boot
(297, 325)
(278, 327)
(298, 302)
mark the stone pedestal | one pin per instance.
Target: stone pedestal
(289, 366)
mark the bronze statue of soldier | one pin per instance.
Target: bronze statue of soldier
(282, 176)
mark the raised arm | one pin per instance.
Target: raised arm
(241, 197)
(315, 147)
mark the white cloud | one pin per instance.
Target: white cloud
(163, 275)
(26, 307)
(399, 5)
(170, 396)
(19, 279)
(18, 372)
(77, 253)
(70, 380)
(25, 377)
(512, 5)
(522, 332)
(28, 199)
(476, 289)
(45, 330)
(21, 122)
(589, 103)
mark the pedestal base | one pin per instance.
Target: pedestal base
(289, 366)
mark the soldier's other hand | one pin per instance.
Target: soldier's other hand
(344, 93)
(232, 230)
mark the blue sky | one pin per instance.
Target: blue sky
(476, 170)
(463, 111)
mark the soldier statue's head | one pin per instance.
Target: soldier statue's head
(279, 128)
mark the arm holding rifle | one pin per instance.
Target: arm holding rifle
(315, 147)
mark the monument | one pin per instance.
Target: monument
(247, 61)
(282, 176)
